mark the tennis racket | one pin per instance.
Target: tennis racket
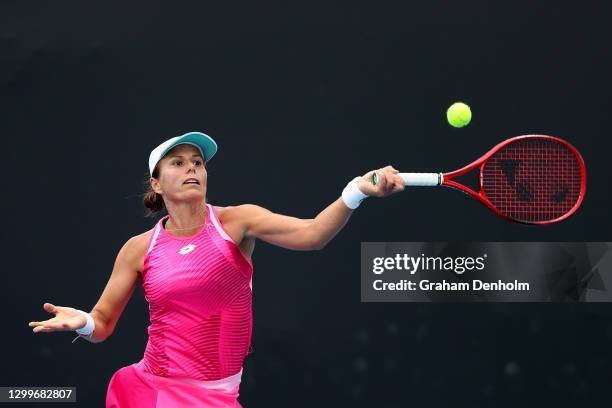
(532, 179)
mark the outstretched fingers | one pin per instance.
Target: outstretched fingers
(51, 308)
(49, 325)
(43, 326)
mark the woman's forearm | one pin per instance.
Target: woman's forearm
(329, 222)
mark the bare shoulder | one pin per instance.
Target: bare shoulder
(242, 211)
(139, 242)
(135, 248)
(235, 221)
(227, 215)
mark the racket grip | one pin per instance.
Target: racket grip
(422, 179)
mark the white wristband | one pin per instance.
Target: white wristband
(351, 195)
(89, 326)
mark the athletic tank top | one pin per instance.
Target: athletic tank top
(199, 290)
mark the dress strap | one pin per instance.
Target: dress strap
(155, 234)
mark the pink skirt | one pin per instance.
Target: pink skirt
(133, 386)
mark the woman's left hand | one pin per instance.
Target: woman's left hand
(388, 182)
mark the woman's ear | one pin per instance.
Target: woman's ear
(155, 185)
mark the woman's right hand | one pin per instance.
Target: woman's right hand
(66, 319)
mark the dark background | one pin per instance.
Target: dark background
(301, 98)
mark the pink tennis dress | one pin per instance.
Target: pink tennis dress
(199, 292)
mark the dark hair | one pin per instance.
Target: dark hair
(153, 201)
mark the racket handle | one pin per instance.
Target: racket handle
(422, 179)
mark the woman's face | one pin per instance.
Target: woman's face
(182, 175)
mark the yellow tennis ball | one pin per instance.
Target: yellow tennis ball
(459, 114)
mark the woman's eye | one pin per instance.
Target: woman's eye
(178, 163)
(198, 163)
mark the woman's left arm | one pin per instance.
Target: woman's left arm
(309, 234)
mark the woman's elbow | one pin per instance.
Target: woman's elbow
(99, 335)
(103, 327)
(317, 244)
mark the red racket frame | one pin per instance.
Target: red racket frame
(481, 196)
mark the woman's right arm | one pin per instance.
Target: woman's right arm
(113, 300)
(119, 289)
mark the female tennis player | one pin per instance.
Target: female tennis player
(196, 276)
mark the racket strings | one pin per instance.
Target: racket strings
(533, 180)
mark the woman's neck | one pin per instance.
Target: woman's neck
(186, 219)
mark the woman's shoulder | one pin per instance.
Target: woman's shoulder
(138, 243)
(233, 219)
(133, 251)
(223, 212)
(236, 209)
(231, 213)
